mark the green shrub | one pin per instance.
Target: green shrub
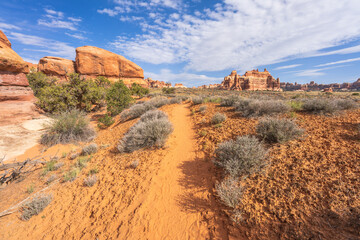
(229, 191)
(296, 105)
(356, 94)
(118, 98)
(242, 156)
(36, 206)
(168, 90)
(105, 121)
(275, 130)
(77, 93)
(38, 80)
(146, 134)
(136, 111)
(68, 127)
(320, 106)
(72, 174)
(218, 118)
(138, 90)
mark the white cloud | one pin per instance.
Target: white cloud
(339, 62)
(77, 36)
(48, 46)
(315, 71)
(8, 26)
(30, 60)
(55, 19)
(109, 12)
(246, 34)
(288, 66)
(188, 79)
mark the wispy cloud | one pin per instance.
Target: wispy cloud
(8, 26)
(315, 71)
(48, 46)
(77, 36)
(245, 34)
(126, 6)
(288, 66)
(188, 79)
(56, 19)
(339, 62)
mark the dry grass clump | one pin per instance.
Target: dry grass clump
(89, 149)
(242, 156)
(36, 206)
(153, 115)
(159, 101)
(274, 130)
(145, 134)
(229, 191)
(218, 118)
(197, 100)
(203, 109)
(176, 100)
(136, 111)
(230, 100)
(68, 127)
(256, 108)
(346, 104)
(90, 180)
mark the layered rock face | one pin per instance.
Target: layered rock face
(92, 62)
(16, 97)
(157, 84)
(251, 80)
(56, 66)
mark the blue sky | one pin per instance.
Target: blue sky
(197, 42)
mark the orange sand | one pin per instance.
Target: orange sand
(168, 196)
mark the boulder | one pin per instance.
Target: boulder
(93, 61)
(56, 66)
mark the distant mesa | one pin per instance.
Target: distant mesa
(179, 85)
(16, 97)
(250, 81)
(312, 86)
(157, 84)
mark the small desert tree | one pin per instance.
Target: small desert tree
(118, 98)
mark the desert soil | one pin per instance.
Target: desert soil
(168, 196)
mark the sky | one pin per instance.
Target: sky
(197, 42)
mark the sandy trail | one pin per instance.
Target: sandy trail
(168, 196)
(167, 211)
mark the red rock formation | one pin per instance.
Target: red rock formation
(32, 67)
(157, 84)
(312, 86)
(56, 67)
(179, 85)
(16, 97)
(92, 62)
(251, 80)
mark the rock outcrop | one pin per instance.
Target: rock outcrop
(179, 85)
(251, 81)
(312, 86)
(56, 67)
(93, 61)
(157, 84)
(16, 97)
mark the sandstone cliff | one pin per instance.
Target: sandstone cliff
(16, 97)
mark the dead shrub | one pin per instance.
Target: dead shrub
(197, 100)
(90, 180)
(256, 108)
(218, 118)
(274, 130)
(159, 101)
(203, 109)
(146, 134)
(153, 115)
(35, 206)
(320, 106)
(89, 149)
(229, 191)
(230, 100)
(242, 156)
(346, 104)
(176, 100)
(68, 127)
(136, 111)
